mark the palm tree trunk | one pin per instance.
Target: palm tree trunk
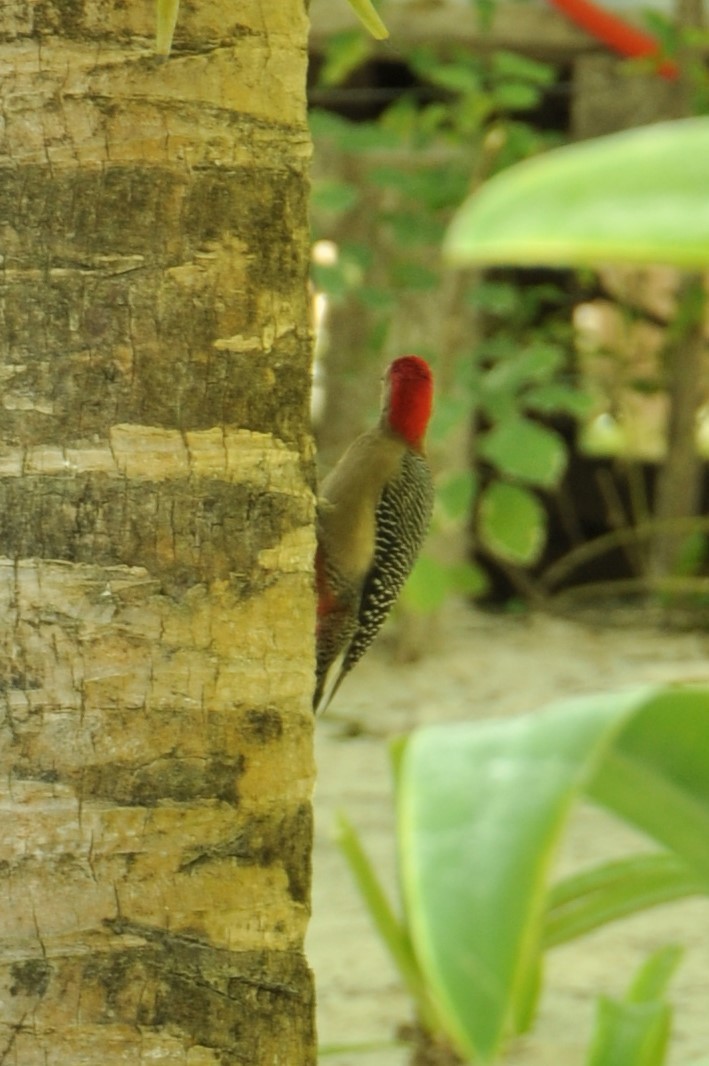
(155, 537)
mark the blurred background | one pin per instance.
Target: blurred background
(567, 401)
(568, 553)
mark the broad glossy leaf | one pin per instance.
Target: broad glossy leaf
(637, 196)
(481, 808)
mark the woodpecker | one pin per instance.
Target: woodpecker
(373, 514)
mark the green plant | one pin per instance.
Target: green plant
(632, 197)
(369, 17)
(687, 44)
(481, 809)
(521, 376)
(636, 1028)
(469, 114)
(635, 197)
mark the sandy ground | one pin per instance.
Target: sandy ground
(480, 665)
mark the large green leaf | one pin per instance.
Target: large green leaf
(481, 807)
(638, 196)
(657, 775)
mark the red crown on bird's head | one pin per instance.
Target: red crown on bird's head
(409, 398)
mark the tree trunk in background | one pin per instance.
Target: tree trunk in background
(679, 483)
(155, 536)
(679, 479)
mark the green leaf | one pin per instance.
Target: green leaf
(393, 933)
(326, 1051)
(657, 776)
(427, 586)
(525, 450)
(467, 579)
(512, 372)
(635, 1031)
(461, 73)
(165, 21)
(456, 77)
(585, 901)
(431, 582)
(522, 141)
(629, 1034)
(457, 492)
(664, 29)
(512, 523)
(655, 974)
(515, 96)
(636, 196)
(481, 807)
(513, 65)
(367, 15)
(555, 396)
(345, 52)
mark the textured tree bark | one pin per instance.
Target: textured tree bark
(156, 539)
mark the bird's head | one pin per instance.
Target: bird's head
(408, 398)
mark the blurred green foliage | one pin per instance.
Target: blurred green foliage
(467, 116)
(481, 808)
